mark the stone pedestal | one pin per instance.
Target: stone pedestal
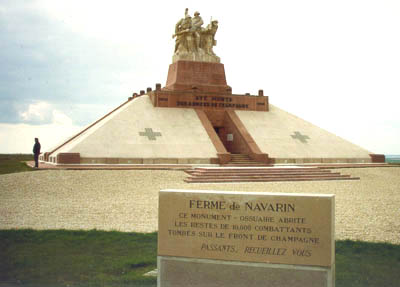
(200, 76)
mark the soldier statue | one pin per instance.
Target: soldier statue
(192, 38)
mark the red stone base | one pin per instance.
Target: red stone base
(201, 76)
(208, 101)
(377, 158)
(68, 158)
(202, 85)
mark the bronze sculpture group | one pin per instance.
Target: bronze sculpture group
(192, 38)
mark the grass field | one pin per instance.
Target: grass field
(10, 163)
(76, 258)
(99, 258)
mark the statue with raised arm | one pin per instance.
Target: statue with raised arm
(182, 31)
(193, 42)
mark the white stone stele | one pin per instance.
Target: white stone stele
(182, 260)
(186, 272)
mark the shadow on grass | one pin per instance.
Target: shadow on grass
(100, 258)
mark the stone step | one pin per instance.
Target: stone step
(196, 174)
(217, 180)
(256, 169)
(260, 169)
(239, 156)
(243, 160)
(349, 165)
(266, 174)
(201, 174)
(244, 164)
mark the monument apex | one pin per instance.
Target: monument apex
(194, 42)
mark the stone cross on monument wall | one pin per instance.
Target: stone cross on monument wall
(300, 137)
(150, 134)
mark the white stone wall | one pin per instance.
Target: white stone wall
(117, 136)
(272, 132)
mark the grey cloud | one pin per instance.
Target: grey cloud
(42, 60)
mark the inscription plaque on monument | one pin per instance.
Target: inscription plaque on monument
(250, 227)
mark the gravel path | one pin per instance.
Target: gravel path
(368, 209)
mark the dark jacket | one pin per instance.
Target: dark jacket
(36, 148)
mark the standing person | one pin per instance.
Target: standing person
(36, 152)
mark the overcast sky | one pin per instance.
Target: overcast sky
(64, 64)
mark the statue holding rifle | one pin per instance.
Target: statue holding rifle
(193, 42)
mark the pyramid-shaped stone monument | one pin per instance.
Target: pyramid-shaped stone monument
(196, 119)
